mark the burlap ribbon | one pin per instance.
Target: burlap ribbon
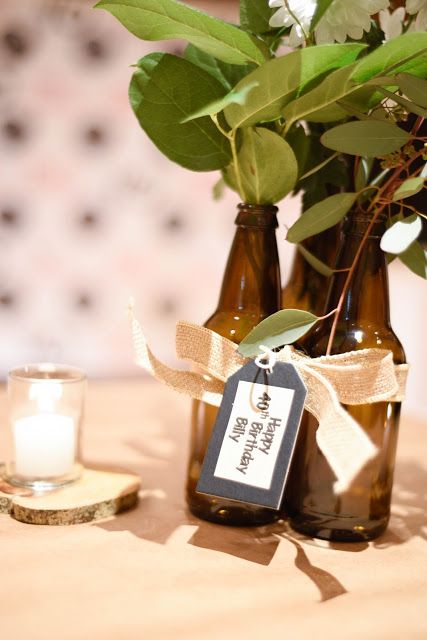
(358, 377)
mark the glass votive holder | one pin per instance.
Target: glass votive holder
(45, 415)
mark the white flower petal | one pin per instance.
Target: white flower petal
(296, 36)
(392, 23)
(278, 19)
(276, 3)
(348, 18)
(413, 6)
(421, 21)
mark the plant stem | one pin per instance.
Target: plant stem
(348, 281)
(378, 199)
(237, 169)
(231, 136)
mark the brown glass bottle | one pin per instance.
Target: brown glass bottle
(362, 512)
(250, 292)
(307, 288)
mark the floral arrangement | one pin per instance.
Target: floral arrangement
(302, 94)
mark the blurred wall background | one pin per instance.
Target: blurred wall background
(91, 213)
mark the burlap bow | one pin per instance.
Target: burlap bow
(358, 377)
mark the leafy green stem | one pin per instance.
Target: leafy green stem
(320, 166)
(231, 136)
(237, 167)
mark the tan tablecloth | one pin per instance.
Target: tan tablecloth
(157, 572)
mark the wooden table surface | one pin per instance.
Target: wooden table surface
(158, 572)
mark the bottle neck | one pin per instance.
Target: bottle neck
(367, 298)
(252, 275)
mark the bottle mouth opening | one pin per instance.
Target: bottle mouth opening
(357, 222)
(258, 208)
(257, 215)
(359, 215)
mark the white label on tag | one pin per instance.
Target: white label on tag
(254, 434)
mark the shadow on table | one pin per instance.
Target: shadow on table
(161, 512)
(409, 506)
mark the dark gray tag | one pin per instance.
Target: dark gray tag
(251, 446)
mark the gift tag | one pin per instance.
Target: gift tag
(252, 442)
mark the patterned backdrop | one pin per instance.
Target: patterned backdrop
(91, 213)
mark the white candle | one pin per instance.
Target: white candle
(45, 445)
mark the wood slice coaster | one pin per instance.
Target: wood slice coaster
(96, 495)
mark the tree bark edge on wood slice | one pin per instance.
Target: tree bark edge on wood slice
(97, 495)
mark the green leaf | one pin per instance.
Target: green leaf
(264, 181)
(410, 187)
(255, 15)
(319, 166)
(414, 88)
(227, 74)
(168, 19)
(300, 143)
(393, 56)
(401, 234)
(283, 327)
(314, 262)
(282, 79)
(390, 57)
(233, 97)
(321, 9)
(365, 138)
(229, 177)
(415, 67)
(363, 173)
(218, 189)
(415, 258)
(163, 91)
(336, 86)
(321, 216)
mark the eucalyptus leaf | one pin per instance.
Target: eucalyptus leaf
(319, 166)
(255, 15)
(415, 67)
(168, 19)
(227, 74)
(401, 234)
(410, 187)
(414, 88)
(229, 177)
(363, 172)
(321, 100)
(314, 262)
(391, 57)
(321, 216)
(218, 189)
(300, 143)
(415, 258)
(282, 79)
(283, 327)
(163, 91)
(321, 9)
(365, 138)
(394, 56)
(264, 181)
(233, 97)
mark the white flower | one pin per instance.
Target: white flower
(299, 18)
(420, 7)
(343, 18)
(392, 22)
